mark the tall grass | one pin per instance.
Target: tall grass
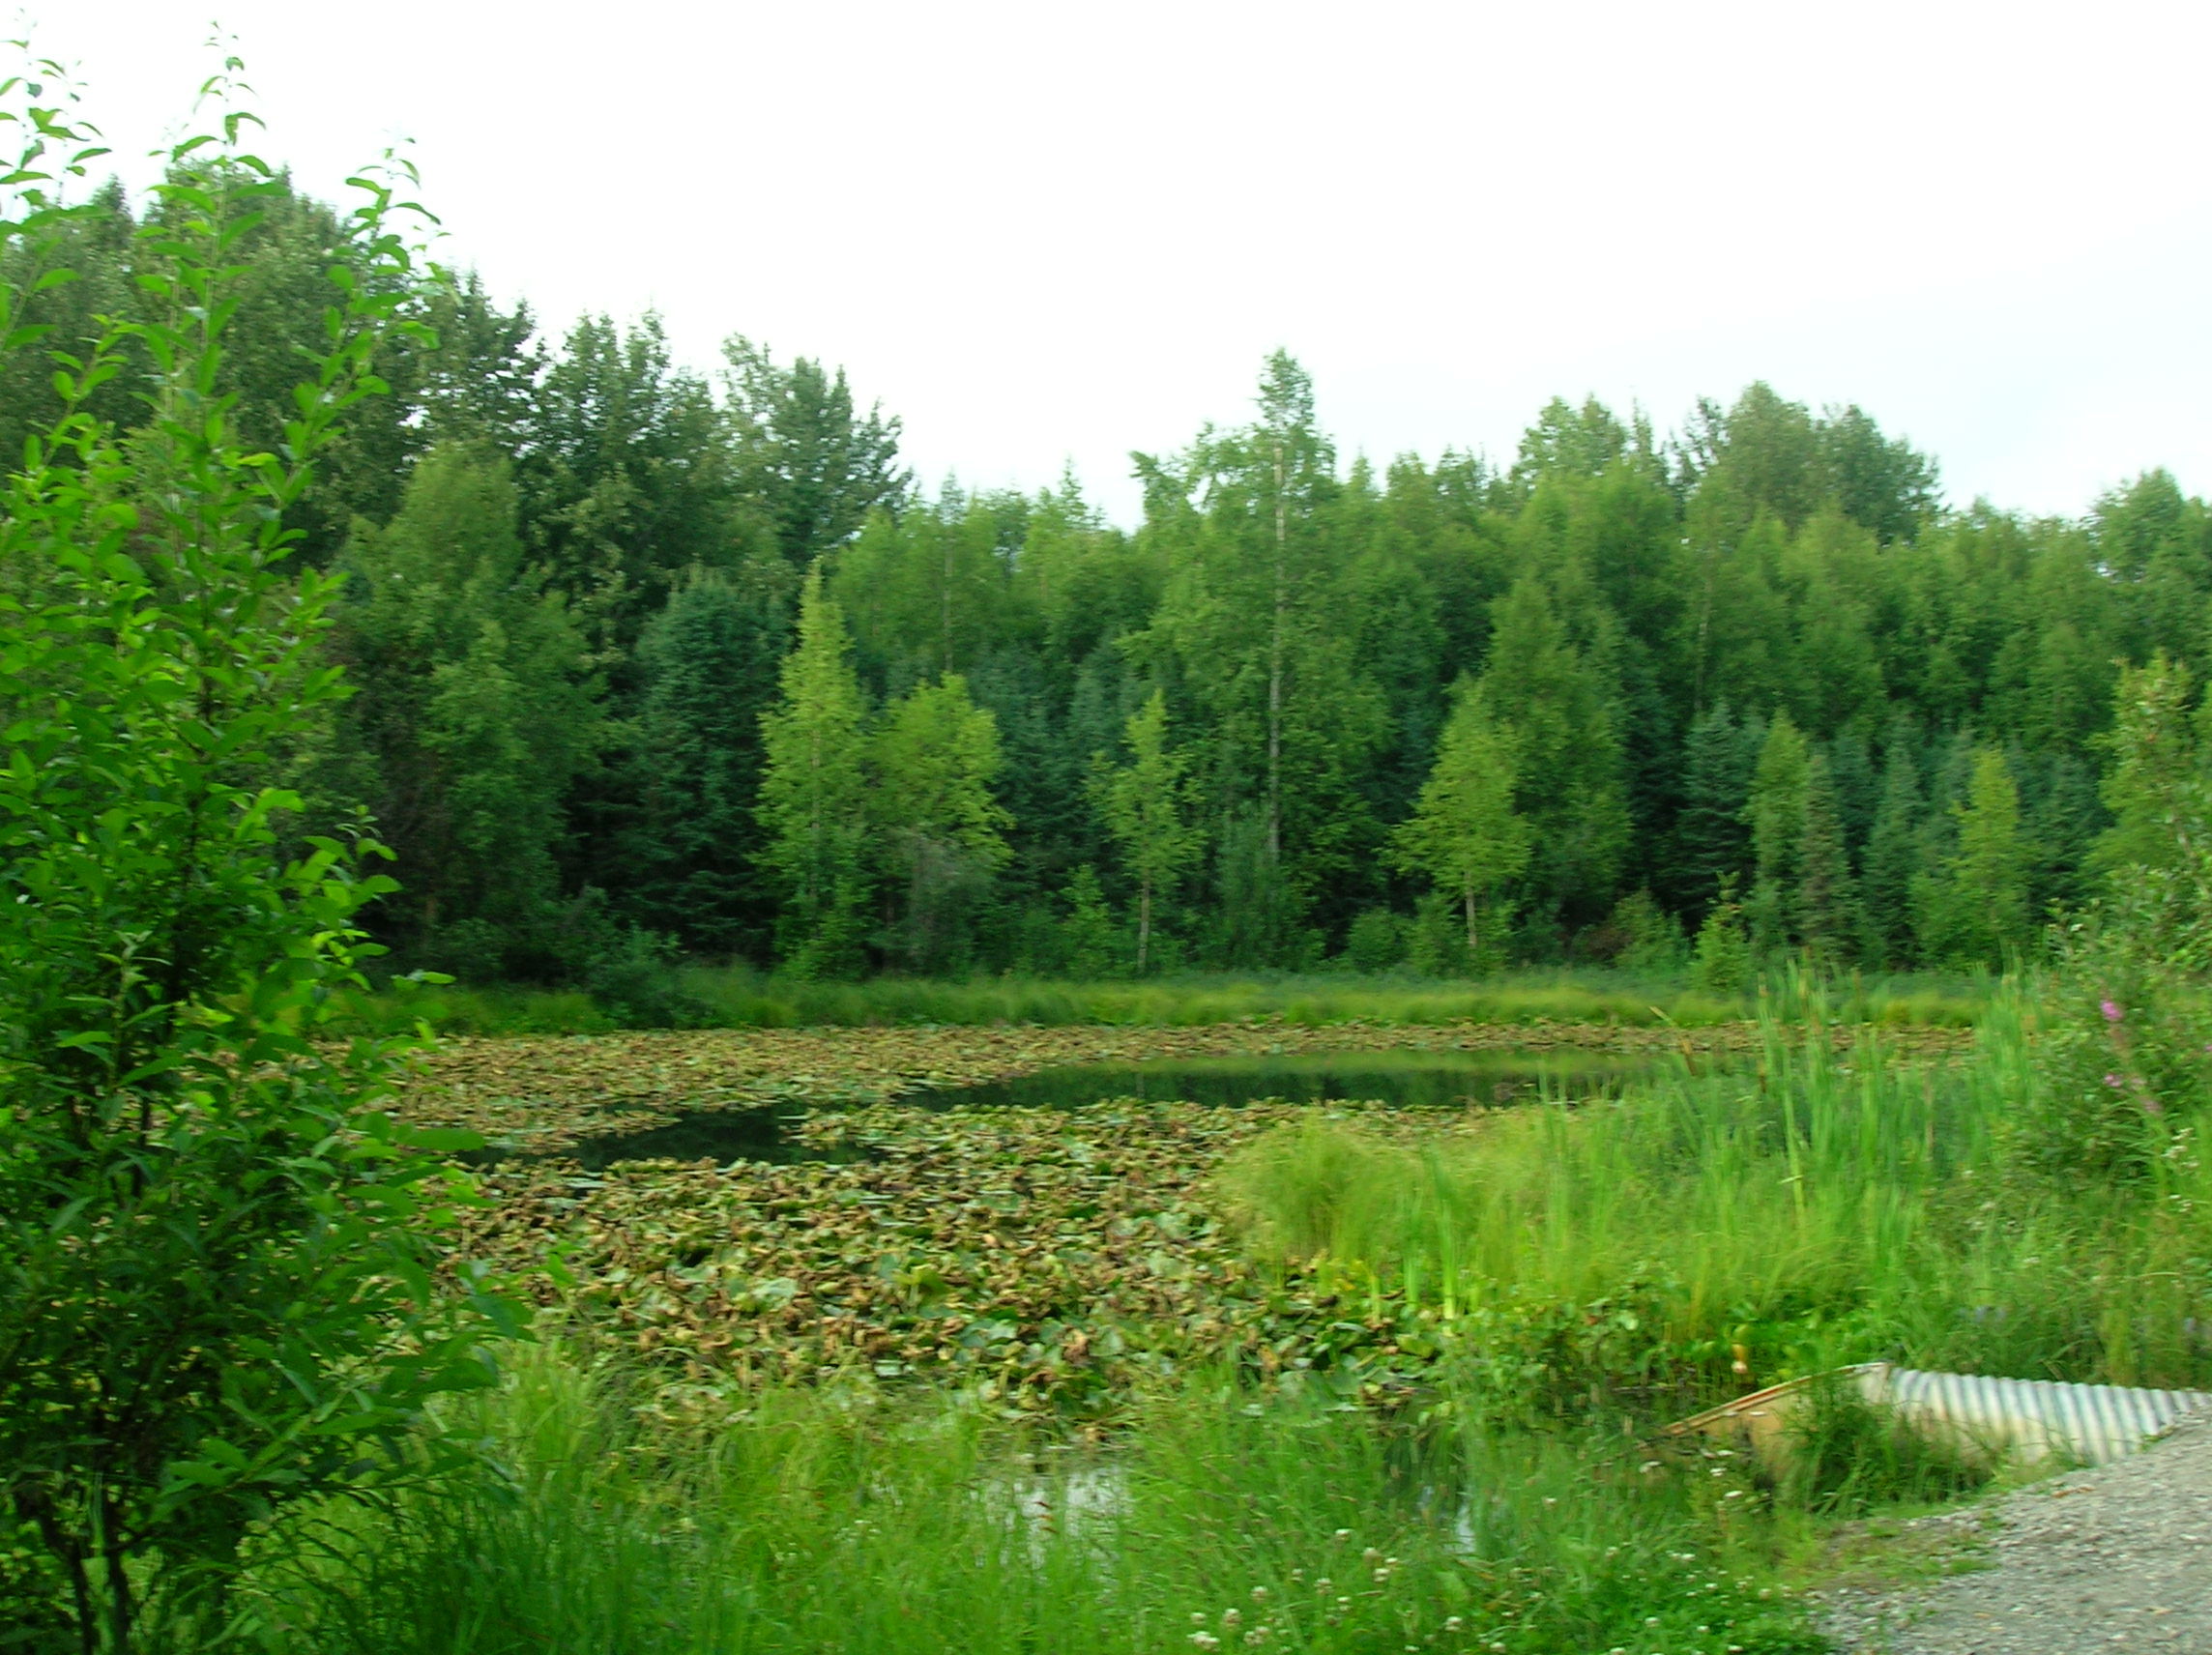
(822, 1524)
(739, 999)
(1812, 1210)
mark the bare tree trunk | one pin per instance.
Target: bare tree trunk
(38, 1505)
(1469, 893)
(121, 1613)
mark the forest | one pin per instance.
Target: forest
(958, 1289)
(648, 661)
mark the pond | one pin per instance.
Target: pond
(1412, 1080)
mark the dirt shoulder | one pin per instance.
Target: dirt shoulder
(2119, 1557)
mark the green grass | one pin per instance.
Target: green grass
(832, 1523)
(741, 999)
(1585, 1272)
(1811, 1210)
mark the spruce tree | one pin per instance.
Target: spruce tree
(1711, 839)
(710, 664)
(1825, 909)
(1892, 859)
(1720, 959)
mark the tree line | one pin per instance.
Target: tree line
(645, 659)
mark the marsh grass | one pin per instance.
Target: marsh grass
(1719, 1230)
(738, 998)
(1846, 1457)
(823, 1522)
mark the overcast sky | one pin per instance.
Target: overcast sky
(1044, 233)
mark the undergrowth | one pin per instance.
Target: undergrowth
(1712, 1231)
(701, 996)
(828, 1522)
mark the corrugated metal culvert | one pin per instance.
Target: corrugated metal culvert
(2023, 1420)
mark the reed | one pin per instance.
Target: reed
(739, 999)
(1812, 1209)
(822, 1523)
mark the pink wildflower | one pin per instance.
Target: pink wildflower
(2110, 1007)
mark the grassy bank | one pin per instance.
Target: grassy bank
(1143, 1379)
(1712, 1230)
(736, 998)
(827, 1523)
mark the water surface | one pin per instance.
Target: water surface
(1414, 1080)
(1411, 1079)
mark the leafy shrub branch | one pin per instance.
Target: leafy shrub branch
(215, 1271)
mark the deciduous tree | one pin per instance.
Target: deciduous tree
(814, 795)
(1146, 806)
(1464, 833)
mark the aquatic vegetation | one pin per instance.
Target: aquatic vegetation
(542, 1092)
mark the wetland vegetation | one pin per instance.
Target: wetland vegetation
(715, 1291)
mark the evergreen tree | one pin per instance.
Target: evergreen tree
(1711, 840)
(2061, 823)
(1464, 833)
(1858, 788)
(1144, 803)
(1824, 907)
(814, 803)
(709, 663)
(1892, 859)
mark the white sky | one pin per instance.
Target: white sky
(1043, 232)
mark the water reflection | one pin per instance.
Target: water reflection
(1411, 1079)
(1414, 1080)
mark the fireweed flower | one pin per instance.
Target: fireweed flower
(2110, 1008)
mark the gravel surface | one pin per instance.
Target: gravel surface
(2119, 1557)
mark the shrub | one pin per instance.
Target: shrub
(1376, 940)
(214, 1246)
(2124, 1063)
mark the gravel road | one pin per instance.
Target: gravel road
(2114, 1559)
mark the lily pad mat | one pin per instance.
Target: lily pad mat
(544, 1092)
(1048, 1259)
(1042, 1259)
